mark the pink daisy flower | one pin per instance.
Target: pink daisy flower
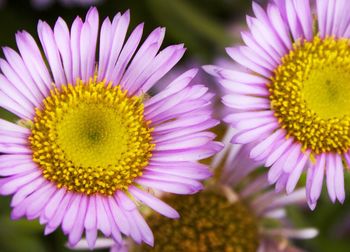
(293, 102)
(91, 145)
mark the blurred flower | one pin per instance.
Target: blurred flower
(91, 145)
(42, 4)
(292, 103)
(69, 3)
(238, 211)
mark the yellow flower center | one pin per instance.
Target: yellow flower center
(209, 222)
(310, 94)
(91, 138)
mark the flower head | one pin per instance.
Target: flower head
(292, 103)
(91, 144)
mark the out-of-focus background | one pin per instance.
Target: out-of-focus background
(206, 27)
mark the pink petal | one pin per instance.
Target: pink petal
(120, 26)
(71, 214)
(102, 218)
(171, 187)
(119, 216)
(62, 38)
(339, 179)
(78, 227)
(48, 42)
(154, 203)
(317, 178)
(263, 145)
(296, 172)
(249, 136)
(278, 152)
(293, 157)
(126, 54)
(330, 176)
(75, 47)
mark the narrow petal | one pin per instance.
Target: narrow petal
(126, 54)
(236, 54)
(145, 231)
(103, 223)
(15, 182)
(91, 215)
(154, 203)
(78, 227)
(278, 152)
(322, 16)
(119, 28)
(339, 179)
(245, 102)
(48, 42)
(143, 57)
(75, 47)
(276, 170)
(296, 172)
(263, 145)
(305, 17)
(171, 187)
(161, 65)
(59, 214)
(22, 77)
(53, 203)
(26, 190)
(38, 200)
(279, 25)
(71, 214)
(237, 76)
(105, 47)
(33, 61)
(317, 179)
(330, 176)
(293, 21)
(291, 161)
(62, 39)
(249, 136)
(119, 216)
